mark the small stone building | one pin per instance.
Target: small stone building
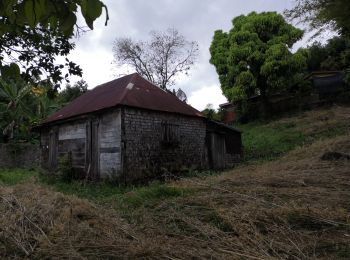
(128, 129)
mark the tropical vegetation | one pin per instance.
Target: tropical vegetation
(255, 58)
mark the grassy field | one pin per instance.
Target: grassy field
(269, 140)
(285, 203)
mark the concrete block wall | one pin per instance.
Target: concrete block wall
(146, 153)
(19, 155)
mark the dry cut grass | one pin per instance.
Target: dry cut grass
(36, 222)
(296, 207)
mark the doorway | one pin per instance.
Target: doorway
(53, 148)
(92, 150)
(217, 150)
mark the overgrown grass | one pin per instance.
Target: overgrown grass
(98, 192)
(15, 176)
(264, 141)
(146, 196)
(125, 197)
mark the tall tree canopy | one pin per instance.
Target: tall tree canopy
(167, 55)
(254, 57)
(335, 55)
(321, 14)
(34, 32)
(71, 92)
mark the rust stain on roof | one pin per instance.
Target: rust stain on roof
(131, 90)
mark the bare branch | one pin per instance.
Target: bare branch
(167, 55)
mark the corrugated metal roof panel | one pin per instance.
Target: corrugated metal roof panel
(131, 90)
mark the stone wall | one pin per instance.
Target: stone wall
(19, 155)
(155, 142)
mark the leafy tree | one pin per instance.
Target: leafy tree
(34, 32)
(44, 102)
(167, 55)
(13, 110)
(322, 14)
(317, 54)
(210, 113)
(72, 92)
(254, 57)
(338, 54)
(35, 51)
(23, 105)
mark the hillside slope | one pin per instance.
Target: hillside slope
(294, 207)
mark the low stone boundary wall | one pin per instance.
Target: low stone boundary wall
(19, 155)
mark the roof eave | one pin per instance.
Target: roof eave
(81, 116)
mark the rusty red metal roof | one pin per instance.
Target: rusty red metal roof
(131, 90)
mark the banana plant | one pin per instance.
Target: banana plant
(14, 112)
(45, 107)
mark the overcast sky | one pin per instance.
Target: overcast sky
(195, 19)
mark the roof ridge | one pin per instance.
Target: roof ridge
(126, 89)
(117, 79)
(166, 91)
(150, 82)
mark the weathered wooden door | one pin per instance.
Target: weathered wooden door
(92, 149)
(217, 150)
(53, 148)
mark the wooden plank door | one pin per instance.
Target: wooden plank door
(92, 150)
(95, 155)
(53, 148)
(217, 150)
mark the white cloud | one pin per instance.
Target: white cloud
(199, 99)
(96, 65)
